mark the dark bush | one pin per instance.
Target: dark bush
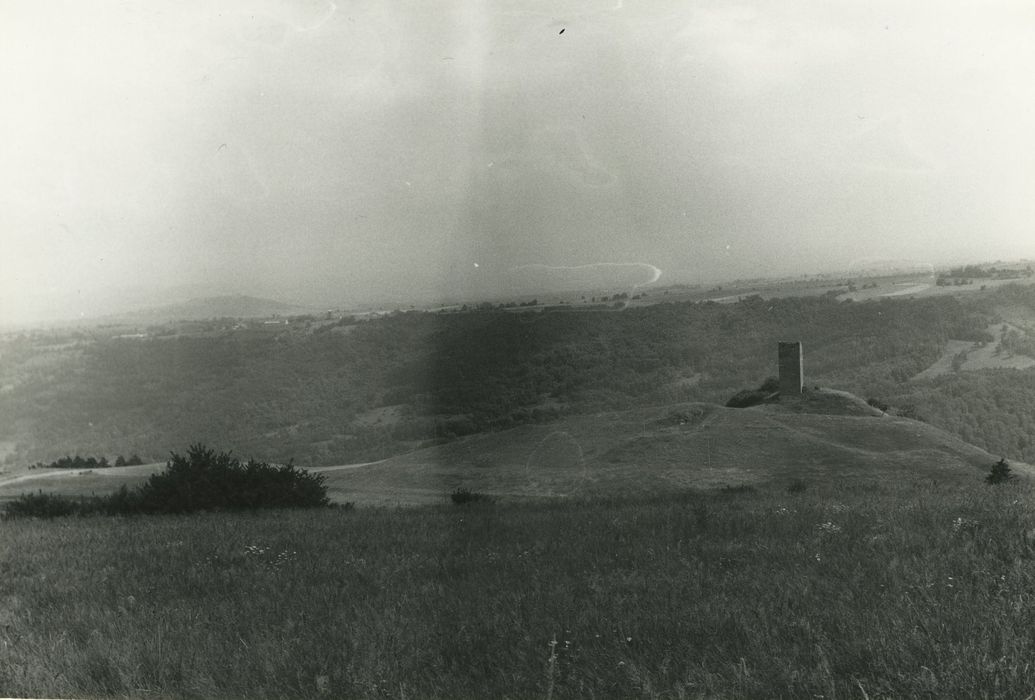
(878, 404)
(999, 474)
(464, 495)
(122, 502)
(42, 505)
(745, 398)
(797, 486)
(769, 391)
(204, 480)
(133, 460)
(199, 480)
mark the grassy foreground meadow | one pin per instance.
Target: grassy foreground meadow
(863, 590)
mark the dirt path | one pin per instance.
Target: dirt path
(32, 476)
(136, 470)
(342, 467)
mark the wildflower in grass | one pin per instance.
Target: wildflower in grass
(551, 666)
(282, 558)
(782, 510)
(829, 528)
(961, 524)
(323, 685)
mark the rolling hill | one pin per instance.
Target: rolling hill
(835, 436)
(831, 436)
(226, 306)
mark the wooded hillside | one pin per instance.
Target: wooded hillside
(328, 392)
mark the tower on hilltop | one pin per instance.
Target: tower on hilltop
(792, 367)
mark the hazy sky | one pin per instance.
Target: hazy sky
(324, 152)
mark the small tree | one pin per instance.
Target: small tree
(999, 474)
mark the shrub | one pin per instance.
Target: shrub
(745, 398)
(464, 495)
(739, 488)
(878, 404)
(766, 392)
(204, 480)
(199, 480)
(133, 460)
(999, 474)
(122, 502)
(42, 505)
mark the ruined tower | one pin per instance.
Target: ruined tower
(791, 369)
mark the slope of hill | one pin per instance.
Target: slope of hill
(229, 306)
(683, 446)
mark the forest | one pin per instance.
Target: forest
(336, 391)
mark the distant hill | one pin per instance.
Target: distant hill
(228, 306)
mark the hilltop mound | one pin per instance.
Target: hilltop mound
(830, 402)
(830, 435)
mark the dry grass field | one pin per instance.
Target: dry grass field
(899, 586)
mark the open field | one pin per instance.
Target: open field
(900, 587)
(969, 356)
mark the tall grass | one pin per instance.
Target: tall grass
(904, 591)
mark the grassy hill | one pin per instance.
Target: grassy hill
(830, 436)
(833, 436)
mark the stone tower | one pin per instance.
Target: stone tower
(791, 369)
